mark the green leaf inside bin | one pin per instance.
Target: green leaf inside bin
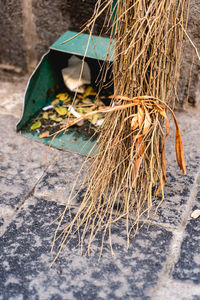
(55, 118)
(36, 125)
(61, 110)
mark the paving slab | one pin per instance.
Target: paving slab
(58, 180)
(25, 259)
(188, 266)
(22, 164)
(178, 187)
(12, 91)
(179, 278)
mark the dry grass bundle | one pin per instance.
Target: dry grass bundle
(129, 170)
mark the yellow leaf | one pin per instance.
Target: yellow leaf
(67, 100)
(63, 96)
(55, 118)
(36, 125)
(55, 102)
(84, 110)
(89, 92)
(79, 110)
(45, 115)
(61, 110)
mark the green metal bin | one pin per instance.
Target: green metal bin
(47, 81)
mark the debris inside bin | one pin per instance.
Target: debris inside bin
(76, 75)
(64, 109)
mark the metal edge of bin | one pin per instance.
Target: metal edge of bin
(91, 46)
(21, 121)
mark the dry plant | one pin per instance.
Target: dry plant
(129, 170)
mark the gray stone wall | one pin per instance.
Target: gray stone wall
(29, 27)
(12, 48)
(189, 84)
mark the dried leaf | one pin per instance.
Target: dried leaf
(88, 115)
(67, 121)
(178, 143)
(161, 110)
(94, 119)
(87, 101)
(134, 122)
(45, 115)
(84, 110)
(36, 125)
(147, 122)
(63, 96)
(89, 92)
(55, 102)
(61, 110)
(195, 214)
(44, 134)
(80, 123)
(67, 100)
(55, 118)
(140, 116)
(179, 147)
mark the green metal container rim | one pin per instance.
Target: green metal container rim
(101, 48)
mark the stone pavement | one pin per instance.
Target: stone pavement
(163, 261)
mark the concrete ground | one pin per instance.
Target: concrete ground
(163, 261)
